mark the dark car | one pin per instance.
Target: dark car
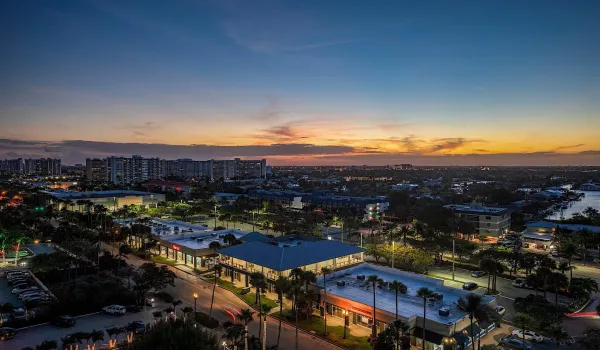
(514, 343)
(478, 274)
(64, 321)
(137, 326)
(7, 333)
(470, 286)
(134, 308)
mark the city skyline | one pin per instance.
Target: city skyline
(303, 83)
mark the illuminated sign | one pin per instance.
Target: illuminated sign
(175, 247)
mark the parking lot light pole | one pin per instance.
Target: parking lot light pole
(453, 259)
(195, 299)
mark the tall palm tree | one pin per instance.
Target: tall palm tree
(218, 270)
(263, 311)
(96, 336)
(233, 334)
(555, 281)
(282, 285)
(398, 287)
(471, 305)
(308, 277)
(257, 280)
(401, 329)
(246, 316)
(424, 293)
(175, 304)
(523, 320)
(374, 280)
(18, 238)
(488, 265)
(325, 271)
(567, 249)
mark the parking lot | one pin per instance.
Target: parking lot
(6, 295)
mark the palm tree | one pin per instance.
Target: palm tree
(186, 311)
(563, 266)
(325, 271)
(257, 279)
(556, 280)
(567, 249)
(246, 316)
(523, 320)
(264, 311)
(175, 303)
(401, 329)
(282, 285)
(19, 238)
(374, 280)
(558, 335)
(233, 334)
(424, 293)
(96, 336)
(398, 287)
(489, 266)
(472, 305)
(218, 269)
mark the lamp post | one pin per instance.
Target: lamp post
(195, 299)
(215, 216)
(453, 259)
(393, 251)
(345, 313)
(253, 221)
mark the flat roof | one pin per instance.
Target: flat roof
(97, 194)
(468, 209)
(162, 227)
(201, 240)
(570, 227)
(289, 252)
(408, 304)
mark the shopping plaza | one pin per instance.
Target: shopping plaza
(349, 296)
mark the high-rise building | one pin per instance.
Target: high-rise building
(41, 166)
(13, 166)
(96, 169)
(123, 170)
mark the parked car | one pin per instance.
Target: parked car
(140, 327)
(36, 294)
(13, 274)
(150, 302)
(521, 283)
(18, 281)
(478, 274)
(555, 253)
(7, 333)
(22, 285)
(114, 310)
(64, 321)
(500, 310)
(134, 308)
(529, 335)
(24, 289)
(514, 343)
(470, 286)
(30, 293)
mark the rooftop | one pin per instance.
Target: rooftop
(408, 304)
(477, 209)
(65, 194)
(570, 227)
(201, 240)
(289, 252)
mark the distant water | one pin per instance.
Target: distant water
(591, 199)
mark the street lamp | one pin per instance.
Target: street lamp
(345, 313)
(195, 299)
(215, 216)
(253, 221)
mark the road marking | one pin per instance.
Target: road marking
(502, 296)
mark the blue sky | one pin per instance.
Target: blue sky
(430, 81)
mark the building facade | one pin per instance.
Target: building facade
(488, 221)
(112, 200)
(41, 166)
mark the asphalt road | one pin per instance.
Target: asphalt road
(33, 336)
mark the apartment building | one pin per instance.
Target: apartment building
(488, 221)
(125, 170)
(41, 166)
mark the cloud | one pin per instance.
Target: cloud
(282, 131)
(140, 130)
(270, 112)
(450, 144)
(568, 147)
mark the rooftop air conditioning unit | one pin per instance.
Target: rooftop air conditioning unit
(444, 311)
(341, 283)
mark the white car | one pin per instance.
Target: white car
(500, 310)
(114, 309)
(529, 335)
(31, 292)
(520, 283)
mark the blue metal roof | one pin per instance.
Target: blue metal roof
(536, 236)
(281, 258)
(255, 237)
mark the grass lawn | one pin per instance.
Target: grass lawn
(249, 298)
(162, 260)
(336, 333)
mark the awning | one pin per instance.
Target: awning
(461, 338)
(538, 237)
(430, 336)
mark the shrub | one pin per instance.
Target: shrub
(203, 319)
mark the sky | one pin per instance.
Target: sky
(506, 82)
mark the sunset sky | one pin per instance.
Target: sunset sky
(303, 82)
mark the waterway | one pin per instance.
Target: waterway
(591, 199)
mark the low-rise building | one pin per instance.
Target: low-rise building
(349, 295)
(112, 200)
(488, 221)
(171, 186)
(276, 257)
(541, 233)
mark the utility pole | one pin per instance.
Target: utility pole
(393, 251)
